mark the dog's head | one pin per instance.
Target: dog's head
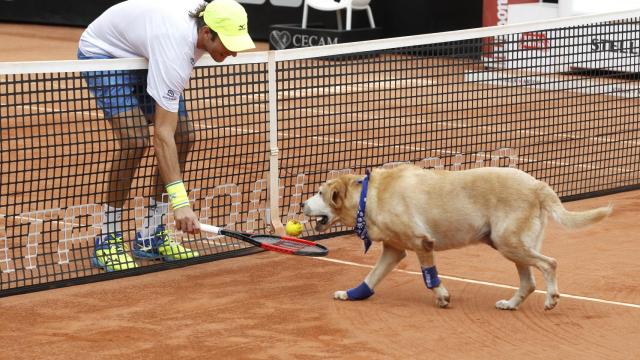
(336, 201)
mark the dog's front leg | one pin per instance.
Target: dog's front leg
(388, 260)
(430, 275)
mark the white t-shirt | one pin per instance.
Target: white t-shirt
(160, 31)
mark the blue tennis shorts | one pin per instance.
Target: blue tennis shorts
(118, 91)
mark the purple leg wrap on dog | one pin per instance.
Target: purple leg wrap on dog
(361, 292)
(430, 276)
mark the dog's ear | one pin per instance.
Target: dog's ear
(337, 192)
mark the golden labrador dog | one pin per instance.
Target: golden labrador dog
(410, 208)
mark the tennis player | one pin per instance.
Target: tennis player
(172, 35)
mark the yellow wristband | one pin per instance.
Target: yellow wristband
(177, 195)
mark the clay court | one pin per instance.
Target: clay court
(271, 306)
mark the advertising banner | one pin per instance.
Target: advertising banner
(289, 36)
(611, 46)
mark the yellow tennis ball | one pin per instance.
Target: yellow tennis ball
(294, 228)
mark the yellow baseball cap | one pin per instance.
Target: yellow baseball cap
(229, 20)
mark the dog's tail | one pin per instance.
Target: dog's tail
(571, 219)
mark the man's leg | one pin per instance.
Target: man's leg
(115, 94)
(132, 132)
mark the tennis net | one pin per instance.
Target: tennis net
(557, 99)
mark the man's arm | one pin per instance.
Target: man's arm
(168, 165)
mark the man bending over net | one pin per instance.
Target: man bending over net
(172, 36)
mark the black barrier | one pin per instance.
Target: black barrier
(54, 12)
(396, 18)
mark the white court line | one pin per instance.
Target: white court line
(454, 278)
(49, 111)
(244, 130)
(382, 84)
(596, 139)
(28, 219)
(217, 242)
(462, 124)
(486, 283)
(459, 124)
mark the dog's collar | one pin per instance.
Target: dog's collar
(361, 224)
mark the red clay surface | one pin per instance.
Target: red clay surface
(272, 306)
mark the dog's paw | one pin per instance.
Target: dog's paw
(442, 296)
(551, 301)
(505, 305)
(340, 295)
(443, 302)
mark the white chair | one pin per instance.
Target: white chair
(331, 5)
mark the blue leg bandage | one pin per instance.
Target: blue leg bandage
(430, 276)
(361, 292)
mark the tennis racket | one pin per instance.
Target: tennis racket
(281, 244)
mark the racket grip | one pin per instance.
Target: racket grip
(210, 228)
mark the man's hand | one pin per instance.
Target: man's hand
(186, 220)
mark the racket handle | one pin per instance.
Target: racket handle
(210, 228)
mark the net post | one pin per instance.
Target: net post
(274, 171)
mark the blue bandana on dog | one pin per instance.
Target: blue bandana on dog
(361, 224)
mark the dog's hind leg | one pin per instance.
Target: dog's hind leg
(524, 252)
(430, 274)
(388, 260)
(548, 266)
(527, 286)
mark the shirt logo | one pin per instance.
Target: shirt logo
(242, 27)
(193, 61)
(170, 95)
